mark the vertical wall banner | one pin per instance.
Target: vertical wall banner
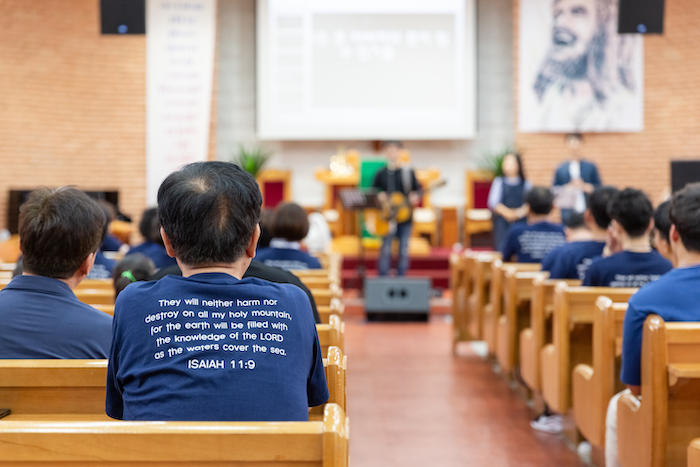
(180, 46)
(576, 73)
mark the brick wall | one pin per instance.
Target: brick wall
(671, 119)
(72, 102)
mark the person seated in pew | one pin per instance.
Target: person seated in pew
(636, 263)
(133, 268)
(571, 261)
(674, 297)
(212, 345)
(530, 242)
(110, 242)
(261, 271)
(41, 317)
(149, 227)
(662, 227)
(290, 225)
(103, 267)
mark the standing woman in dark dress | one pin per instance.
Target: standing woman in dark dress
(507, 197)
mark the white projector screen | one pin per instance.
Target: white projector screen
(366, 69)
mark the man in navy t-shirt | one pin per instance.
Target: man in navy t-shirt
(212, 345)
(40, 316)
(571, 261)
(636, 264)
(674, 297)
(530, 242)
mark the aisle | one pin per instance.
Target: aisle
(412, 404)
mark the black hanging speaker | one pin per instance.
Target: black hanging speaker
(684, 172)
(641, 16)
(123, 16)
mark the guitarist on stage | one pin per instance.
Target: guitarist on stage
(388, 181)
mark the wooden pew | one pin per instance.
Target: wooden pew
(331, 334)
(95, 296)
(694, 453)
(460, 265)
(572, 341)
(95, 443)
(99, 284)
(656, 430)
(494, 308)
(323, 297)
(479, 277)
(336, 307)
(517, 294)
(534, 338)
(74, 388)
(593, 385)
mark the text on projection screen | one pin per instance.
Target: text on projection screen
(357, 69)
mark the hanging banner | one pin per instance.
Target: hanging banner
(180, 45)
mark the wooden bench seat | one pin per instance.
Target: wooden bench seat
(656, 430)
(323, 297)
(494, 308)
(336, 307)
(97, 443)
(54, 386)
(479, 275)
(331, 334)
(593, 385)
(694, 453)
(539, 332)
(517, 295)
(572, 341)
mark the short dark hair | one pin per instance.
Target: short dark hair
(578, 136)
(149, 227)
(632, 210)
(58, 229)
(134, 267)
(598, 204)
(540, 200)
(662, 221)
(209, 210)
(685, 215)
(575, 221)
(290, 222)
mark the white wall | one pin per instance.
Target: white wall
(495, 112)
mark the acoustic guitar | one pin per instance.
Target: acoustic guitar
(396, 208)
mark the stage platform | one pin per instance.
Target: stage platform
(434, 265)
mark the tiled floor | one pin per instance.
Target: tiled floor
(411, 403)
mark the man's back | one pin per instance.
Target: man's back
(42, 318)
(571, 261)
(674, 297)
(627, 269)
(530, 243)
(212, 347)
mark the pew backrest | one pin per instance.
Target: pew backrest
(317, 443)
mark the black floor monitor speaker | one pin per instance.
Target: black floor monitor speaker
(397, 298)
(684, 172)
(123, 16)
(641, 16)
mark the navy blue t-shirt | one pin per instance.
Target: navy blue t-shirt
(103, 267)
(156, 253)
(674, 297)
(530, 243)
(287, 258)
(41, 317)
(571, 260)
(626, 269)
(211, 347)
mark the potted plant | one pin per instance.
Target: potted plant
(491, 162)
(251, 159)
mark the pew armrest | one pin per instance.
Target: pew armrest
(677, 371)
(583, 397)
(694, 453)
(633, 448)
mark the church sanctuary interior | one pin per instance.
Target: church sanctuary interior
(332, 233)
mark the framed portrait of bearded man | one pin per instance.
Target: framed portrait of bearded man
(575, 72)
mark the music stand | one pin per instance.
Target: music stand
(357, 200)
